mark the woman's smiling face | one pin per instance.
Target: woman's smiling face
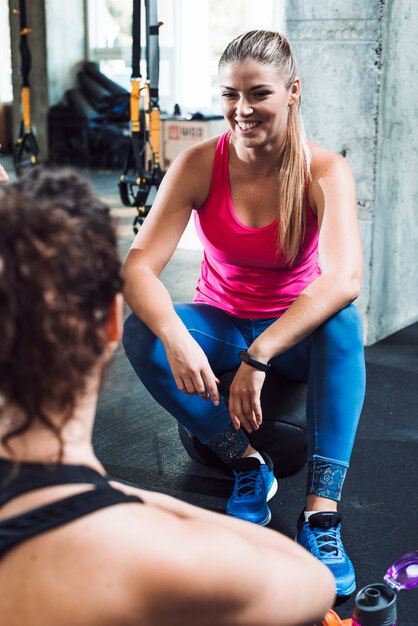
(255, 102)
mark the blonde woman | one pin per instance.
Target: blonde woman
(267, 205)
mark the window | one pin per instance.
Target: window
(192, 37)
(228, 20)
(110, 42)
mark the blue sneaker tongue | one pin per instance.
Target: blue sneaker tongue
(324, 520)
(326, 543)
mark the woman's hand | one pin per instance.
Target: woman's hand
(244, 398)
(190, 368)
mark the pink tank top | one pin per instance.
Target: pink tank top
(241, 271)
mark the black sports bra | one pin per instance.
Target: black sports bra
(17, 480)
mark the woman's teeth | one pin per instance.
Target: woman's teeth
(248, 125)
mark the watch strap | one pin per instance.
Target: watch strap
(246, 357)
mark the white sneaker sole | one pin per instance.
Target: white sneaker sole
(272, 490)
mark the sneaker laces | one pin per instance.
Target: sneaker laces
(328, 541)
(247, 482)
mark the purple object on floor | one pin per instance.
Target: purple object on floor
(403, 574)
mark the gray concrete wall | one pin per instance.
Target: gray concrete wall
(349, 54)
(394, 271)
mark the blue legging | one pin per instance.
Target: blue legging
(330, 360)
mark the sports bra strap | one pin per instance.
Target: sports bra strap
(16, 480)
(15, 530)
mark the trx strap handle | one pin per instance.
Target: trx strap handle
(26, 150)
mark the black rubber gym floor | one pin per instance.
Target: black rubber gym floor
(137, 441)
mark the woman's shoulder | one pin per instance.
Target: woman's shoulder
(193, 167)
(90, 564)
(325, 162)
(98, 557)
(200, 155)
(149, 556)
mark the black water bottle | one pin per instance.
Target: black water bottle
(375, 605)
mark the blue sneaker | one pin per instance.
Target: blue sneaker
(255, 484)
(321, 536)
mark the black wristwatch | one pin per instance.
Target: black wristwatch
(250, 360)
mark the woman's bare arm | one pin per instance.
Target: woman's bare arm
(184, 187)
(333, 192)
(340, 254)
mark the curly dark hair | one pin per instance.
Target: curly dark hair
(59, 272)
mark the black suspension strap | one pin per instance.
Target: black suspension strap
(153, 78)
(138, 130)
(142, 174)
(26, 152)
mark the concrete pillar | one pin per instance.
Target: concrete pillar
(57, 45)
(349, 57)
(394, 271)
